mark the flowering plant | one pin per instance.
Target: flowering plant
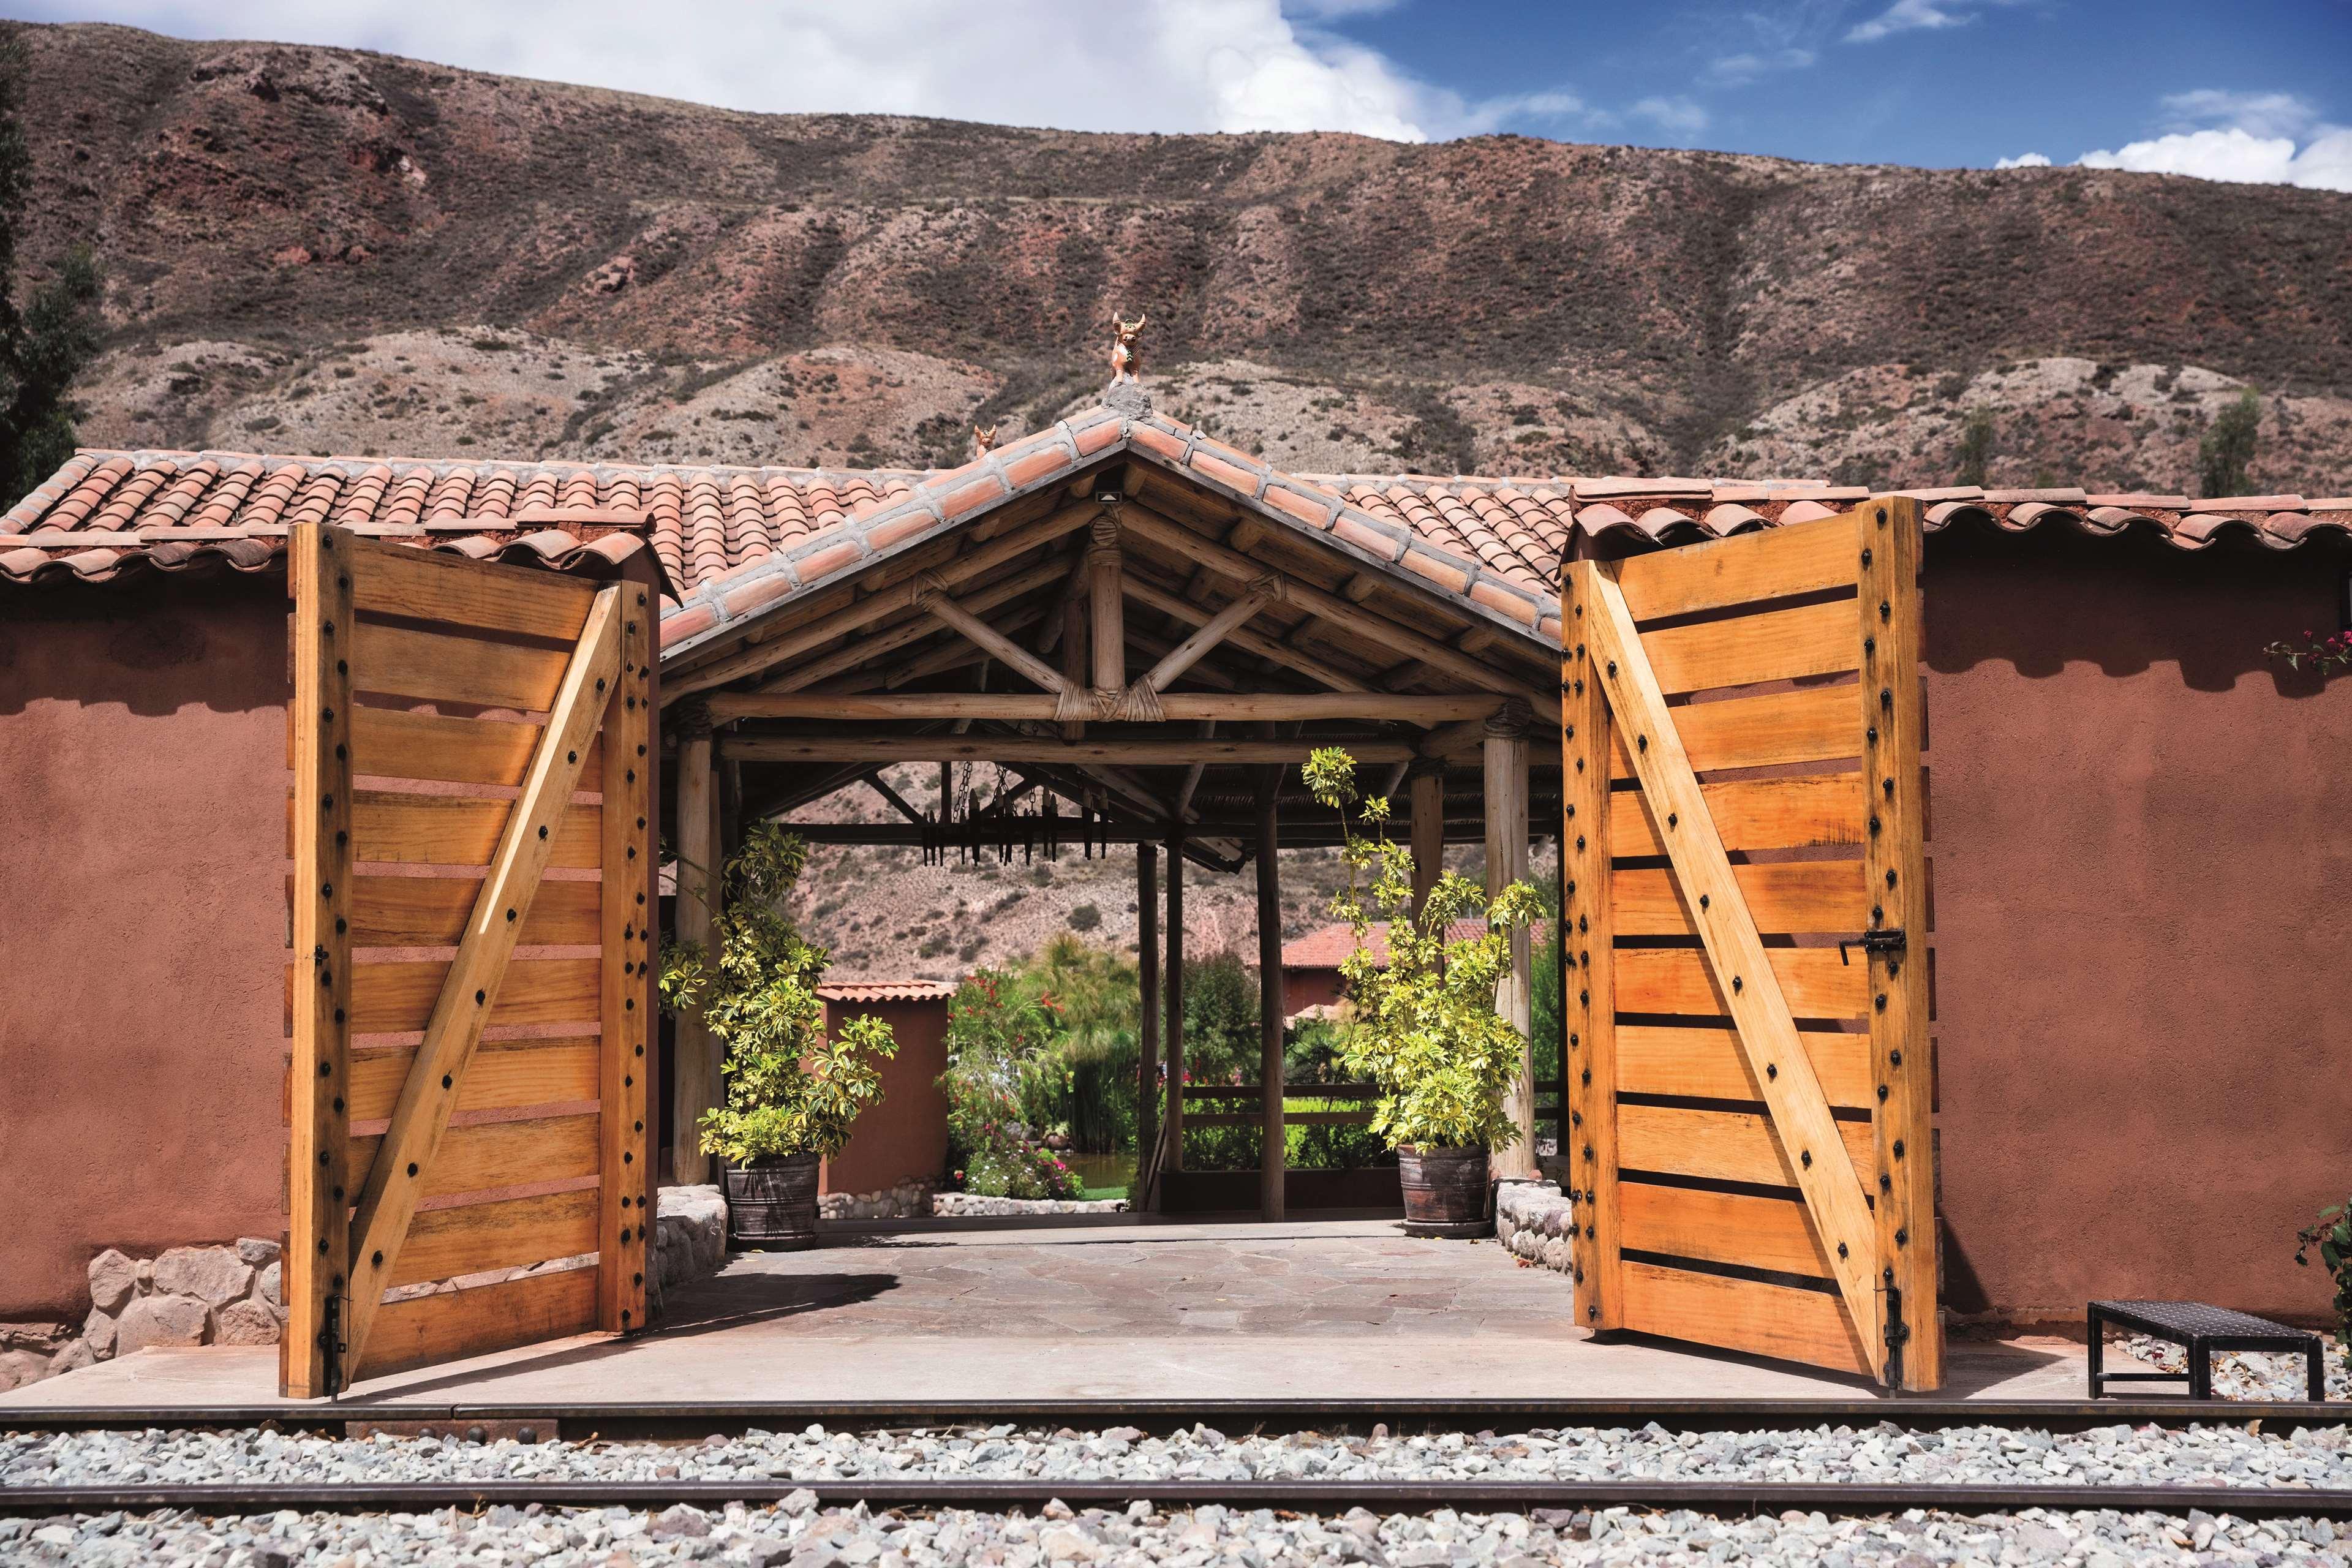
(2332, 1234)
(997, 1041)
(1425, 1028)
(2327, 655)
(791, 1090)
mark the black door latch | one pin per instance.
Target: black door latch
(1874, 941)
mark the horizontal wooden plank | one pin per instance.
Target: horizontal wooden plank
(395, 998)
(396, 744)
(1783, 898)
(1704, 1061)
(1811, 724)
(428, 585)
(450, 1325)
(452, 830)
(504, 1074)
(1817, 982)
(1777, 644)
(431, 911)
(473, 1238)
(1742, 1315)
(1809, 811)
(389, 998)
(1722, 1145)
(1771, 563)
(491, 1154)
(442, 666)
(1289, 1118)
(1721, 1227)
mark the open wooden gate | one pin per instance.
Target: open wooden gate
(1749, 1082)
(467, 996)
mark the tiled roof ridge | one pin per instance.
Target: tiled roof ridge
(1047, 457)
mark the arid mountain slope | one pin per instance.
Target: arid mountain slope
(574, 271)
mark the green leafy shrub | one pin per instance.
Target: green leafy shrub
(2332, 1234)
(791, 1090)
(1423, 1029)
(998, 1039)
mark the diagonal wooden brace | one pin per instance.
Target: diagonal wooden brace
(1793, 1100)
(387, 1203)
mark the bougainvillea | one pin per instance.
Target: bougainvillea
(998, 1038)
(2332, 1234)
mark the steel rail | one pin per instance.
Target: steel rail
(684, 1418)
(1725, 1497)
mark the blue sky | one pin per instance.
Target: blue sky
(2225, 89)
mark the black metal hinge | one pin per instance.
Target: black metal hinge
(1871, 942)
(332, 1332)
(1896, 1335)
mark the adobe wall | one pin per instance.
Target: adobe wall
(143, 744)
(906, 1134)
(2143, 901)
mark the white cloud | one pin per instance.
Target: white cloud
(2023, 160)
(2257, 113)
(1738, 70)
(1907, 16)
(1146, 65)
(1676, 116)
(2264, 138)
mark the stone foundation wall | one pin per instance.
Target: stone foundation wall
(229, 1295)
(1532, 1220)
(225, 1295)
(966, 1205)
(910, 1199)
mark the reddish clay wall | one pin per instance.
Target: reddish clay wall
(2143, 899)
(143, 744)
(906, 1134)
(1309, 987)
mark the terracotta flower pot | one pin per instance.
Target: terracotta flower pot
(1445, 1190)
(771, 1204)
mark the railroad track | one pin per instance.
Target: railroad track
(1722, 1498)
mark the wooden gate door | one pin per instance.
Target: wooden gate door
(472, 898)
(1744, 887)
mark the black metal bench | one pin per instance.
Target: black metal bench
(2200, 1330)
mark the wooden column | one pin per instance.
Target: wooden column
(696, 1051)
(1894, 866)
(1172, 1124)
(627, 898)
(1270, 1000)
(1147, 963)
(1106, 600)
(1074, 654)
(1426, 793)
(1588, 998)
(315, 1286)
(1507, 862)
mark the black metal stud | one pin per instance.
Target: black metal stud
(1807, 1159)
(1737, 983)
(1898, 1148)
(1841, 1249)
(1882, 1092)
(1771, 1070)
(1703, 899)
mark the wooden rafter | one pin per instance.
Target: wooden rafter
(887, 749)
(1178, 706)
(395, 1180)
(913, 627)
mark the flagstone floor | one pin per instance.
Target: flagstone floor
(1314, 1309)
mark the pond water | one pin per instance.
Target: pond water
(1101, 1171)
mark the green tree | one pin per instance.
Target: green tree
(44, 345)
(2227, 449)
(1976, 446)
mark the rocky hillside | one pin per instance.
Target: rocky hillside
(316, 250)
(320, 249)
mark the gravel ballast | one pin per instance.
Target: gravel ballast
(799, 1535)
(2214, 1455)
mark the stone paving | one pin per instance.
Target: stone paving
(1146, 1281)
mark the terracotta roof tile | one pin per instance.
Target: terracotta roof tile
(1497, 542)
(886, 991)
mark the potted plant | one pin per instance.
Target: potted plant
(1424, 1029)
(791, 1090)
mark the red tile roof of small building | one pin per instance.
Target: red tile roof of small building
(1326, 946)
(887, 990)
(1495, 541)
